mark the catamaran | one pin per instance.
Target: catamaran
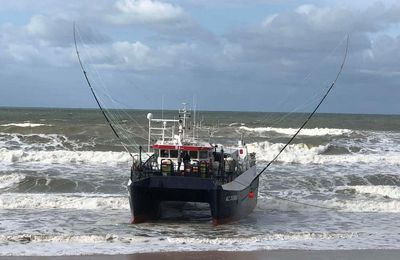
(183, 168)
(180, 167)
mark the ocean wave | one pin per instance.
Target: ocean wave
(63, 201)
(305, 154)
(63, 157)
(386, 191)
(339, 205)
(55, 244)
(304, 132)
(25, 238)
(39, 141)
(236, 124)
(26, 124)
(295, 153)
(285, 236)
(358, 158)
(9, 180)
(392, 206)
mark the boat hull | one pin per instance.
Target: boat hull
(226, 203)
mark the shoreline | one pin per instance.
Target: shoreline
(354, 254)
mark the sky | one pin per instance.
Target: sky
(259, 55)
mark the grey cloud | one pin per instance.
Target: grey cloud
(138, 57)
(262, 62)
(45, 41)
(58, 32)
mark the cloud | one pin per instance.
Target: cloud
(145, 12)
(138, 57)
(160, 39)
(169, 21)
(307, 33)
(44, 41)
(58, 32)
(23, 53)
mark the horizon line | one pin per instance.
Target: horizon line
(203, 110)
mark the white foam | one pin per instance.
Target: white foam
(262, 238)
(62, 201)
(359, 159)
(61, 245)
(24, 125)
(9, 180)
(56, 238)
(391, 206)
(387, 191)
(54, 244)
(304, 154)
(305, 131)
(64, 156)
(236, 124)
(354, 205)
(31, 141)
(295, 153)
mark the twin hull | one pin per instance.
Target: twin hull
(227, 202)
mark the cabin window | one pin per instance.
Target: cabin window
(164, 153)
(193, 154)
(203, 154)
(173, 153)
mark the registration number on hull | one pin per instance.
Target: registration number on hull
(231, 198)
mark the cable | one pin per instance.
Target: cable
(309, 101)
(95, 97)
(311, 114)
(116, 115)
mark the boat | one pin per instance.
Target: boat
(179, 167)
(182, 168)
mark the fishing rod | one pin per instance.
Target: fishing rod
(95, 96)
(312, 113)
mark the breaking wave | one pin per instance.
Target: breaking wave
(63, 156)
(306, 154)
(27, 124)
(63, 201)
(54, 244)
(263, 238)
(10, 180)
(39, 142)
(386, 191)
(304, 132)
(340, 205)
(295, 153)
(392, 206)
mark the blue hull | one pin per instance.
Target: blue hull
(228, 202)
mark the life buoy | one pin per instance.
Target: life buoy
(167, 166)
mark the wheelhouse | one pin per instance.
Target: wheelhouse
(180, 153)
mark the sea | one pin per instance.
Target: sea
(64, 175)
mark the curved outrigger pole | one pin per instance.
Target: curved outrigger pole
(313, 112)
(95, 97)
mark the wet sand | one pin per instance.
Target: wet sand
(220, 255)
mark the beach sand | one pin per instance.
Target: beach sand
(221, 255)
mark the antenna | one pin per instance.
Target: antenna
(162, 106)
(194, 117)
